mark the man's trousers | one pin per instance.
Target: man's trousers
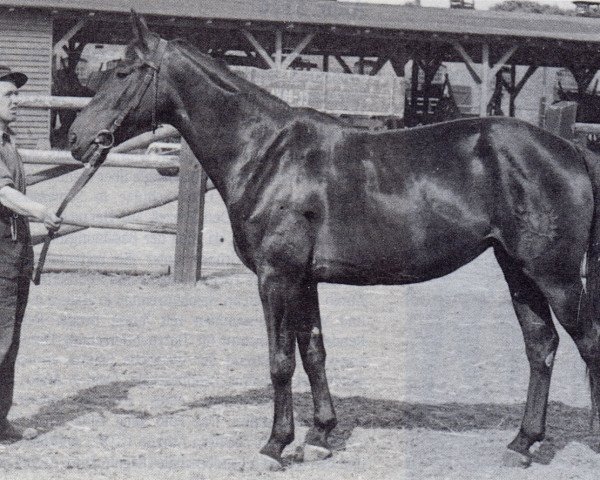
(13, 300)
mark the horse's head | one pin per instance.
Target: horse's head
(132, 98)
(170, 82)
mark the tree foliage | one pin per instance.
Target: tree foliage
(528, 6)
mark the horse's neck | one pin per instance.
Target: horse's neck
(228, 139)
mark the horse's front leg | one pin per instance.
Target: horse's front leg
(281, 299)
(312, 351)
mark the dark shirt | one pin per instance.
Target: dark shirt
(16, 256)
(11, 166)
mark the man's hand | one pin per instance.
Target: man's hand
(51, 220)
(23, 205)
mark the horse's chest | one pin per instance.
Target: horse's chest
(282, 236)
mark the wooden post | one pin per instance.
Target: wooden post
(485, 75)
(411, 119)
(278, 49)
(190, 218)
(542, 112)
(512, 92)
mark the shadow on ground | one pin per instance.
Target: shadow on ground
(99, 398)
(565, 424)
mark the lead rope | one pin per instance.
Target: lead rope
(98, 150)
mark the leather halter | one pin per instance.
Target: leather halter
(105, 138)
(97, 151)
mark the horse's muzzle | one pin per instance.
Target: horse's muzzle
(77, 151)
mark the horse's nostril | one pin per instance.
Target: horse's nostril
(72, 138)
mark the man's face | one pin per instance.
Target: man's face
(8, 104)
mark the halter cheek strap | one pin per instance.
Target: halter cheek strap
(96, 153)
(105, 138)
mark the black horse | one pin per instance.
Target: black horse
(311, 199)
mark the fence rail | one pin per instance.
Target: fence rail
(190, 193)
(44, 101)
(88, 221)
(162, 198)
(131, 160)
(586, 128)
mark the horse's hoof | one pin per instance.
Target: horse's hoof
(30, 433)
(514, 459)
(264, 463)
(312, 453)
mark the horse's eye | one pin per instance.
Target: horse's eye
(123, 71)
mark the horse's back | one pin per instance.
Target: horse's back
(407, 206)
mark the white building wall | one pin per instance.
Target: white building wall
(26, 45)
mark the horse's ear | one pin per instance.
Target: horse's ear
(141, 31)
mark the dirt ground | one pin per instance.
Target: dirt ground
(138, 378)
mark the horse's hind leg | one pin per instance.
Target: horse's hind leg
(312, 351)
(569, 304)
(541, 342)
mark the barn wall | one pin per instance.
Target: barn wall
(26, 45)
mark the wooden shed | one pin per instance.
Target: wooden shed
(273, 34)
(26, 45)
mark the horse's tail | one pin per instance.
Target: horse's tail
(591, 272)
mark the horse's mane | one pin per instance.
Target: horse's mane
(219, 73)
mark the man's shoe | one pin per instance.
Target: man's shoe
(9, 433)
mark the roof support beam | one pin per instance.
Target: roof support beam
(279, 62)
(59, 50)
(399, 59)
(343, 64)
(297, 51)
(64, 41)
(583, 75)
(487, 71)
(530, 71)
(469, 63)
(259, 49)
(379, 64)
(509, 53)
(514, 88)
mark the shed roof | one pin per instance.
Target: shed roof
(322, 12)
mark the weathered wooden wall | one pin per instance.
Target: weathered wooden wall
(26, 45)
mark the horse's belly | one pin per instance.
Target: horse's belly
(423, 231)
(377, 257)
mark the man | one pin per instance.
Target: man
(16, 252)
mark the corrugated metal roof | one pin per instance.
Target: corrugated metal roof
(325, 12)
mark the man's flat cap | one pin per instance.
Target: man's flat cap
(18, 78)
